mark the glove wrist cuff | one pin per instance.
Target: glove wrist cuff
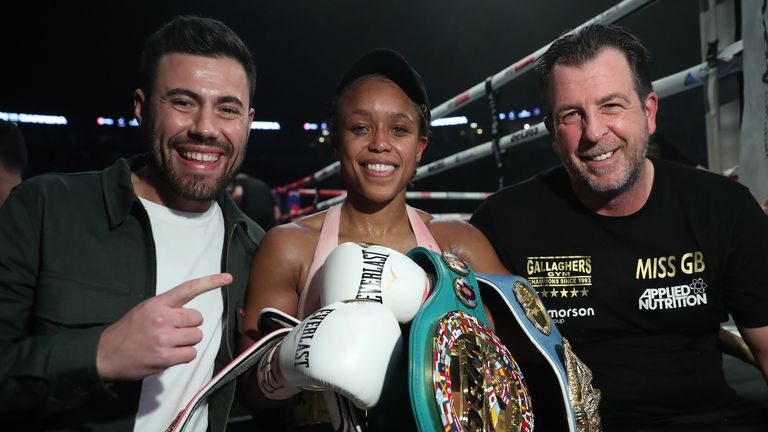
(271, 382)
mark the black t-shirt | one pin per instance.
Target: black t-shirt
(257, 201)
(641, 297)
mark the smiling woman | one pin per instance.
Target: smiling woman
(379, 122)
(377, 139)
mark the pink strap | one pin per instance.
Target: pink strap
(329, 239)
(424, 238)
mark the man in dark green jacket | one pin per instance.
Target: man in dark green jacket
(120, 290)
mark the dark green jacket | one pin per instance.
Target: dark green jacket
(76, 253)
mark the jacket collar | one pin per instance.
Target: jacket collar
(117, 188)
(120, 197)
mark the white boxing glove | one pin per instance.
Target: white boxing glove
(346, 347)
(378, 273)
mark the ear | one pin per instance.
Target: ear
(420, 147)
(651, 105)
(551, 129)
(139, 102)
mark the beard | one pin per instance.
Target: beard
(193, 187)
(595, 179)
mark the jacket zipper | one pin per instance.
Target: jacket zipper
(151, 289)
(225, 292)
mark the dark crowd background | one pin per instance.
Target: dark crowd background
(81, 61)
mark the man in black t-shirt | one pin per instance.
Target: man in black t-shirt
(638, 260)
(255, 199)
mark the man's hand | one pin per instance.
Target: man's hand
(156, 334)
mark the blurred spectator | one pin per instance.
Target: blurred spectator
(255, 199)
(13, 157)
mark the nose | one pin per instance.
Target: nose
(379, 141)
(204, 125)
(594, 128)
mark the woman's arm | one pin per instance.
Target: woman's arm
(467, 242)
(274, 279)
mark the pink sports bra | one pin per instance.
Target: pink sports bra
(329, 239)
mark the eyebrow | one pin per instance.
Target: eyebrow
(359, 112)
(399, 115)
(192, 95)
(561, 108)
(612, 96)
(602, 100)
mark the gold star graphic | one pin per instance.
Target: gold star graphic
(563, 293)
(574, 292)
(543, 293)
(584, 292)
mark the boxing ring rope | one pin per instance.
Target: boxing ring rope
(321, 192)
(340, 194)
(423, 195)
(610, 15)
(316, 177)
(687, 79)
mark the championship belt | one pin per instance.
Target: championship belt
(550, 365)
(463, 377)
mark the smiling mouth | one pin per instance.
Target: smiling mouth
(379, 167)
(600, 157)
(200, 157)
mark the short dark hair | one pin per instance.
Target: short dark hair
(390, 64)
(13, 147)
(581, 46)
(195, 35)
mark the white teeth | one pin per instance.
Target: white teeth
(603, 156)
(380, 167)
(202, 157)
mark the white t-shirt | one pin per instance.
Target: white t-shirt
(187, 246)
